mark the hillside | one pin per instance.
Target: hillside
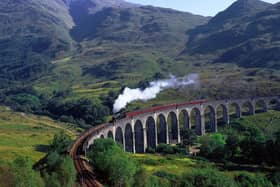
(247, 34)
(35, 34)
(65, 50)
(28, 135)
(31, 33)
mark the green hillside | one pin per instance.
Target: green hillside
(28, 135)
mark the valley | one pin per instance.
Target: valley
(64, 63)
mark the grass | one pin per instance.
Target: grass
(177, 165)
(170, 163)
(27, 135)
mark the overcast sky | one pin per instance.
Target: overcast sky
(202, 7)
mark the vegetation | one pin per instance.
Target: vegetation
(24, 175)
(236, 156)
(245, 141)
(56, 169)
(111, 163)
(24, 134)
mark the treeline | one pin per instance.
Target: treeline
(243, 145)
(83, 112)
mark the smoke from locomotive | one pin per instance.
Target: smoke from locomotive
(129, 95)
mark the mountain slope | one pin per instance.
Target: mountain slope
(247, 33)
(115, 39)
(32, 33)
(130, 23)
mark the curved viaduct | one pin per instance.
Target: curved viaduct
(147, 128)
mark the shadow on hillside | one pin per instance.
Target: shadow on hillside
(42, 148)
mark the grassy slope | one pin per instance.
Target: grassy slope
(217, 81)
(27, 135)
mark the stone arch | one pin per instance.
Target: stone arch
(119, 135)
(161, 129)
(274, 104)
(102, 136)
(196, 121)
(261, 106)
(184, 120)
(222, 114)
(210, 119)
(247, 108)
(110, 135)
(128, 134)
(235, 110)
(151, 132)
(139, 137)
(172, 122)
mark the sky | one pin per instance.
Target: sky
(201, 7)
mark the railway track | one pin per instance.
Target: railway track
(85, 174)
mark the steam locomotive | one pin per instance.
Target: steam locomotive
(119, 115)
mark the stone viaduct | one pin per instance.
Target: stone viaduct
(147, 128)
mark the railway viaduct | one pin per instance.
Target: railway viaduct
(147, 128)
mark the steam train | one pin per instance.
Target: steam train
(123, 114)
(119, 115)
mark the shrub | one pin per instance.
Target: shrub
(247, 180)
(207, 178)
(275, 178)
(150, 162)
(165, 149)
(150, 150)
(165, 175)
(154, 181)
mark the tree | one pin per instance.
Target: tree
(66, 172)
(111, 163)
(61, 171)
(24, 175)
(53, 160)
(60, 143)
(212, 146)
(188, 137)
(143, 84)
(232, 144)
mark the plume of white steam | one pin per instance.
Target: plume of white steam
(129, 95)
